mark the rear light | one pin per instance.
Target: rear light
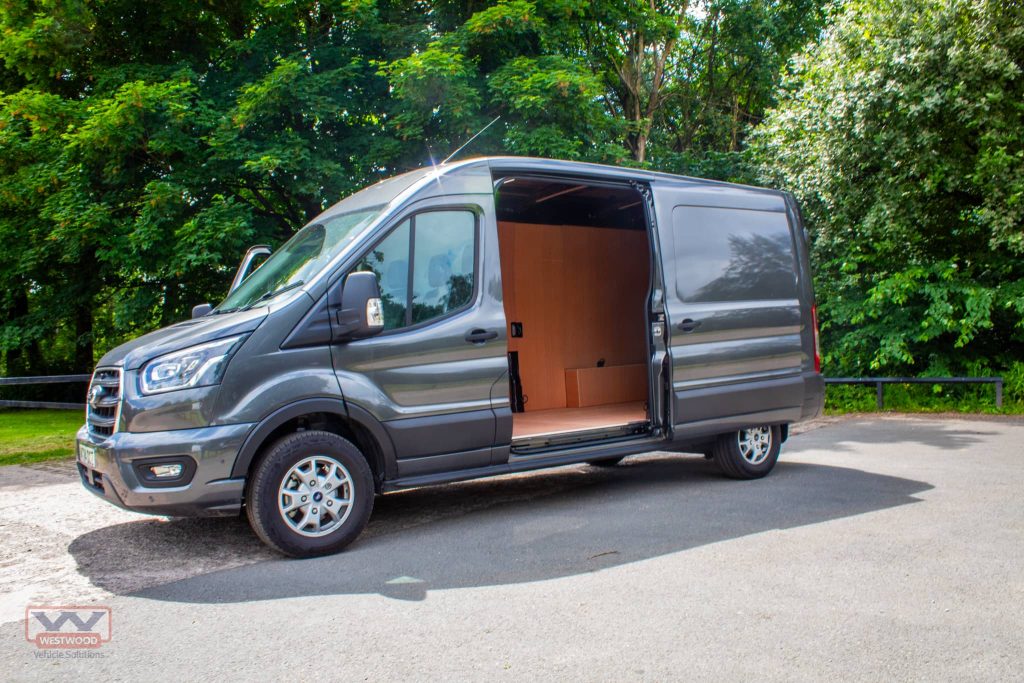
(817, 344)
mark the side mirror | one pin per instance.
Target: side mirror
(201, 310)
(245, 266)
(361, 313)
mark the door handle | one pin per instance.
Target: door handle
(478, 336)
(689, 325)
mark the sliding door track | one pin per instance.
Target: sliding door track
(544, 443)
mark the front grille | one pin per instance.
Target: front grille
(103, 401)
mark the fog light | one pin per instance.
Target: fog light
(168, 471)
(165, 471)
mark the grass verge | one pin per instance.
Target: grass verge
(36, 435)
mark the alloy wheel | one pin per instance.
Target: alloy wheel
(755, 444)
(315, 497)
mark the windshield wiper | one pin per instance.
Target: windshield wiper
(272, 294)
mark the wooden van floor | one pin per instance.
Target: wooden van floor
(563, 420)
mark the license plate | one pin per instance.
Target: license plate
(87, 455)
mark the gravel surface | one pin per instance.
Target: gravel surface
(881, 548)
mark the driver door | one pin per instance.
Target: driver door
(428, 376)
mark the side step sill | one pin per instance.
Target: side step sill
(529, 445)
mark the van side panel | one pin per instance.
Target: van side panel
(735, 304)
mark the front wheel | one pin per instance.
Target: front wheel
(311, 494)
(748, 453)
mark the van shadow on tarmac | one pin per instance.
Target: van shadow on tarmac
(517, 529)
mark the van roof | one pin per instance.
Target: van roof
(512, 164)
(477, 173)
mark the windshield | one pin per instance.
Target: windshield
(299, 259)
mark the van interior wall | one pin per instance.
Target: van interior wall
(580, 293)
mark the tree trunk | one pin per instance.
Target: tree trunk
(641, 147)
(26, 359)
(83, 337)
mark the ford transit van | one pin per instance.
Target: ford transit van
(484, 317)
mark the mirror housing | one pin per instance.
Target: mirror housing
(251, 255)
(200, 310)
(361, 311)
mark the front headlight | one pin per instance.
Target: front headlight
(196, 366)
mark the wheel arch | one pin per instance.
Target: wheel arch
(330, 414)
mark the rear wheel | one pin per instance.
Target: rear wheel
(311, 494)
(749, 453)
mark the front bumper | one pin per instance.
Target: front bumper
(210, 491)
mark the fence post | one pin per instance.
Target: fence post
(879, 400)
(999, 392)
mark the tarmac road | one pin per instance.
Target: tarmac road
(880, 548)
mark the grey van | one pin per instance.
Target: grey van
(483, 317)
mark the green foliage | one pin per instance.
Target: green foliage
(901, 135)
(143, 146)
(545, 97)
(924, 398)
(670, 84)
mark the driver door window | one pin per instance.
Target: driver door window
(428, 260)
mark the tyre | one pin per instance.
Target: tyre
(606, 462)
(749, 453)
(310, 494)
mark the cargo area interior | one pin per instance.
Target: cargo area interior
(575, 264)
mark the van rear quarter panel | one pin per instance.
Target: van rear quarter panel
(735, 283)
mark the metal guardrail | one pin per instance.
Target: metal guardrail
(880, 383)
(45, 379)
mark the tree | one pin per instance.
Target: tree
(664, 83)
(727, 75)
(144, 145)
(901, 134)
(102, 112)
(636, 44)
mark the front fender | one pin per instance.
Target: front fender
(331, 406)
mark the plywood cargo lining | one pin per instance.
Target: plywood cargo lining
(607, 384)
(567, 420)
(580, 293)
